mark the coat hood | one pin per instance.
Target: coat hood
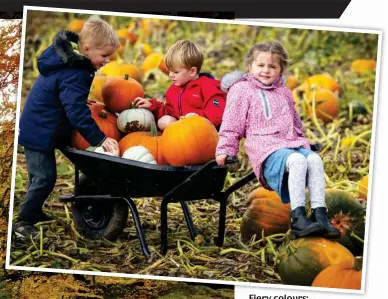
(232, 78)
(61, 54)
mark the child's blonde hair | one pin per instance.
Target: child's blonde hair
(184, 53)
(97, 33)
(274, 47)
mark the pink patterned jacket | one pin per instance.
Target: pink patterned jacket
(266, 116)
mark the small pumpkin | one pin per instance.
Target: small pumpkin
(139, 153)
(327, 105)
(347, 214)
(135, 119)
(189, 141)
(106, 121)
(265, 212)
(363, 65)
(363, 187)
(341, 276)
(302, 259)
(321, 81)
(292, 82)
(76, 25)
(148, 139)
(119, 93)
(102, 150)
(124, 34)
(154, 61)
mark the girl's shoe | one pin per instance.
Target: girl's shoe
(302, 226)
(319, 215)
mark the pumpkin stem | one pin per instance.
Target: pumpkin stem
(103, 114)
(358, 263)
(154, 129)
(126, 77)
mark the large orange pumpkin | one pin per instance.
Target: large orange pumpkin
(326, 104)
(321, 81)
(265, 212)
(302, 259)
(189, 141)
(148, 139)
(106, 121)
(341, 276)
(119, 93)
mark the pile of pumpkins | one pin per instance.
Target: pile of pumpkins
(188, 141)
(312, 260)
(324, 90)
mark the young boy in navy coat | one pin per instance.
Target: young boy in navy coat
(55, 105)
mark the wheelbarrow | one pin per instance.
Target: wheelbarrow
(104, 191)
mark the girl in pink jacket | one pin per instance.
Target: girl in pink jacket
(260, 108)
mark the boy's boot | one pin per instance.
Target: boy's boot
(302, 226)
(319, 215)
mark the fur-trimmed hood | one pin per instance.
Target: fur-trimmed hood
(61, 54)
(232, 78)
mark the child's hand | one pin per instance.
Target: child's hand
(142, 103)
(220, 159)
(191, 114)
(110, 145)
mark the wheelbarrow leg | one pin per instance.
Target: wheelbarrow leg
(163, 226)
(221, 221)
(189, 220)
(139, 229)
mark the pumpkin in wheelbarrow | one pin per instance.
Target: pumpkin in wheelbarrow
(189, 141)
(106, 121)
(149, 139)
(265, 214)
(302, 259)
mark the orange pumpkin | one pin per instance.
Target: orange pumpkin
(148, 139)
(76, 25)
(129, 69)
(189, 141)
(154, 61)
(106, 121)
(292, 82)
(341, 276)
(302, 259)
(96, 88)
(321, 81)
(265, 212)
(124, 34)
(119, 93)
(326, 104)
(363, 187)
(363, 65)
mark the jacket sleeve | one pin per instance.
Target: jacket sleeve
(214, 103)
(297, 121)
(160, 109)
(73, 93)
(233, 123)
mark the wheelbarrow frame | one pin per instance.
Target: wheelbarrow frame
(179, 193)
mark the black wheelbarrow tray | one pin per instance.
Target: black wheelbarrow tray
(104, 192)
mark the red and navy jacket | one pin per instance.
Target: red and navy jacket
(202, 96)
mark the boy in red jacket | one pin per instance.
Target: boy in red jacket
(192, 93)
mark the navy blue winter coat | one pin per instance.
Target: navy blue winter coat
(57, 101)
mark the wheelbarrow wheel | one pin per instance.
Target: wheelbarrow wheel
(100, 219)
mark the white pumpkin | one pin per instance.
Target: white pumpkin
(135, 119)
(102, 150)
(139, 153)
